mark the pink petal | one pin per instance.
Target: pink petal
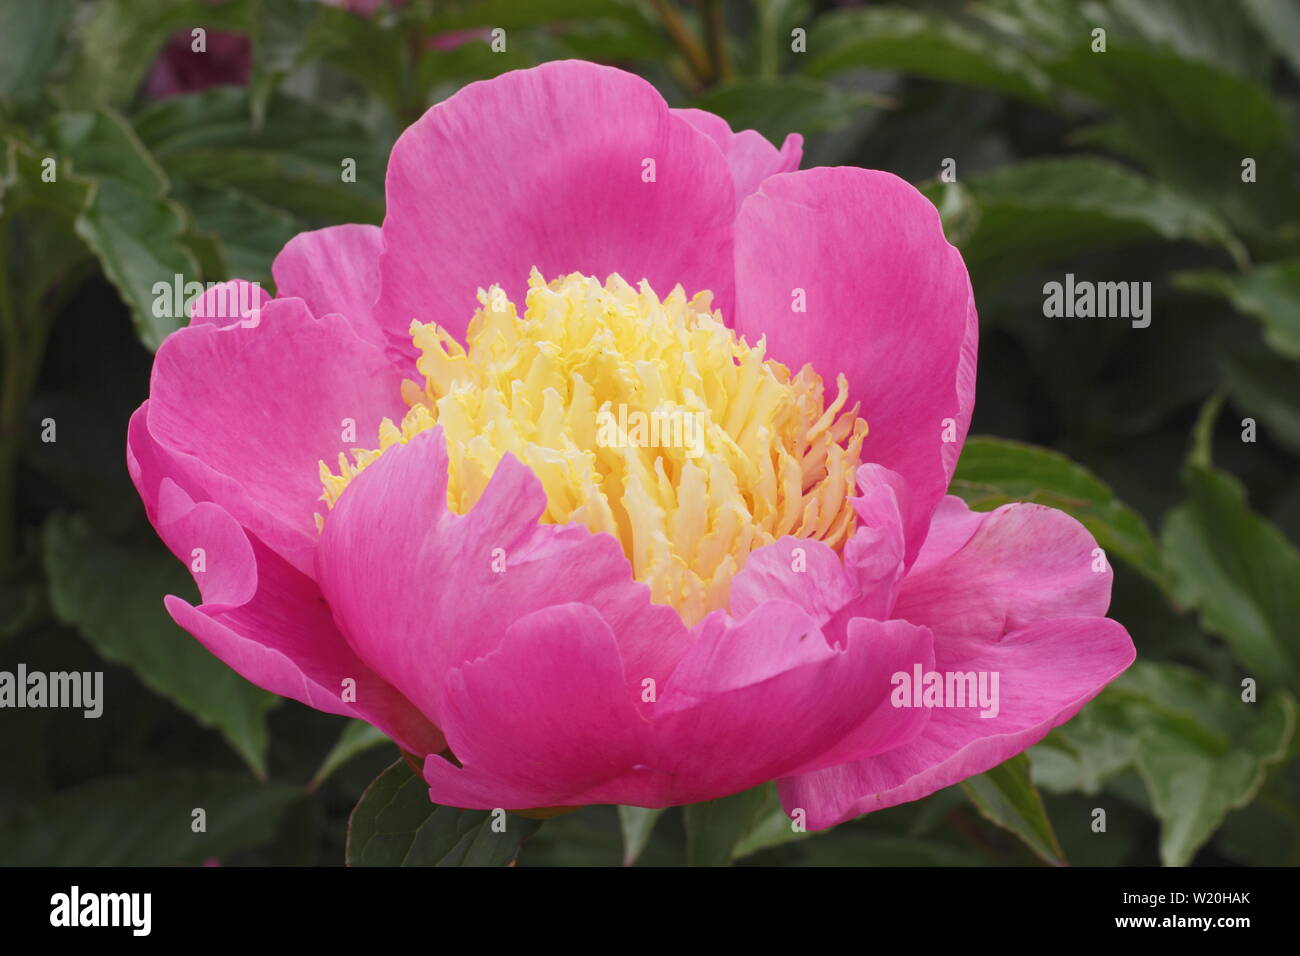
(548, 718)
(952, 526)
(229, 302)
(834, 590)
(270, 623)
(821, 586)
(243, 416)
(875, 553)
(1047, 672)
(1010, 592)
(749, 155)
(1024, 563)
(334, 270)
(545, 719)
(869, 254)
(544, 167)
(753, 698)
(414, 588)
(146, 463)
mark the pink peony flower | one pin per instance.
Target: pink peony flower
(461, 525)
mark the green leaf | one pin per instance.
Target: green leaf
(249, 233)
(131, 226)
(1042, 211)
(957, 208)
(993, 471)
(357, 737)
(715, 828)
(510, 14)
(1191, 124)
(1267, 386)
(925, 44)
(1200, 749)
(1239, 571)
(395, 824)
(1279, 23)
(855, 846)
(113, 595)
(1083, 754)
(1216, 33)
(367, 49)
(1175, 94)
(120, 39)
(772, 828)
(776, 108)
(1005, 796)
(595, 835)
(1269, 293)
(146, 820)
(30, 37)
(46, 258)
(637, 823)
(281, 32)
(22, 184)
(294, 162)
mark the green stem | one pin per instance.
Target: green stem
(694, 54)
(24, 333)
(767, 40)
(715, 32)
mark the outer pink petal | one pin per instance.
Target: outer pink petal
(334, 270)
(751, 157)
(545, 719)
(1048, 671)
(888, 304)
(414, 588)
(270, 623)
(1010, 592)
(1022, 564)
(544, 167)
(148, 464)
(243, 416)
(753, 698)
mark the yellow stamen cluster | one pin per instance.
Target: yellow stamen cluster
(646, 419)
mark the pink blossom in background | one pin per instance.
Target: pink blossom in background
(584, 624)
(227, 59)
(454, 39)
(178, 69)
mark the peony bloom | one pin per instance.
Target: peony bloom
(615, 464)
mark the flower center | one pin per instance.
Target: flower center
(646, 419)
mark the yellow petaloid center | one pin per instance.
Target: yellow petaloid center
(646, 419)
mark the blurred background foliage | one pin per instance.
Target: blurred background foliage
(1122, 165)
